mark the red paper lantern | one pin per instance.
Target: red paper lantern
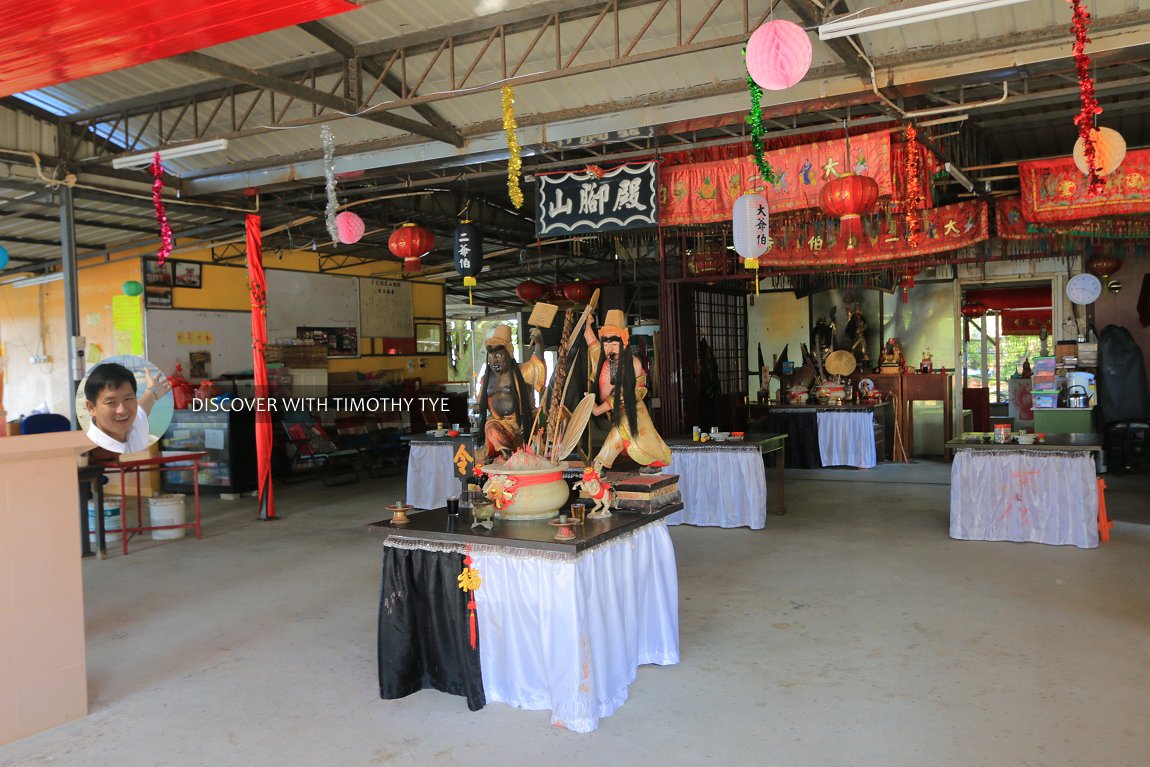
(411, 242)
(973, 310)
(848, 197)
(1103, 266)
(529, 291)
(578, 292)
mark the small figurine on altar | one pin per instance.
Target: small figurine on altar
(599, 491)
(620, 386)
(857, 327)
(891, 360)
(927, 363)
(505, 392)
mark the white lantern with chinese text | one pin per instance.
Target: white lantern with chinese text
(751, 229)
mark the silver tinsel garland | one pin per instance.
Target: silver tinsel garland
(329, 174)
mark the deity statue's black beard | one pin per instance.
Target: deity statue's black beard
(613, 362)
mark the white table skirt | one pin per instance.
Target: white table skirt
(569, 633)
(847, 439)
(1024, 496)
(431, 475)
(721, 487)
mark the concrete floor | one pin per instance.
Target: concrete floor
(852, 631)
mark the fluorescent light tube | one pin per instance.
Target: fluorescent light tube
(187, 150)
(41, 280)
(960, 177)
(901, 16)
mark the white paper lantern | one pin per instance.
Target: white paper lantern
(751, 227)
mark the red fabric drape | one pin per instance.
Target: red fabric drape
(258, 284)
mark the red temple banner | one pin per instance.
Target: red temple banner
(704, 193)
(258, 287)
(797, 244)
(1055, 190)
(1009, 222)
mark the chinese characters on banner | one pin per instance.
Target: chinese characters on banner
(1055, 190)
(704, 193)
(814, 244)
(595, 200)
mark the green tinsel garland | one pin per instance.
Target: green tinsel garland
(755, 120)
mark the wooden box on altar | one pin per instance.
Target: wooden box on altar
(642, 493)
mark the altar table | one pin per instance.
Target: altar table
(560, 625)
(431, 472)
(723, 484)
(827, 435)
(1041, 493)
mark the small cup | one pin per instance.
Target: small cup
(579, 512)
(564, 518)
(455, 426)
(453, 505)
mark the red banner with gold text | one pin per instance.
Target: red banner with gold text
(704, 193)
(1055, 190)
(803, 243)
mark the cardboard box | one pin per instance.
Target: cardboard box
(150, 481)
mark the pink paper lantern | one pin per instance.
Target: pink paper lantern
(778, 55)
(350, 227)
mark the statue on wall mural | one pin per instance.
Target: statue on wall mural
(857, 328)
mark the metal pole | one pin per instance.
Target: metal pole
(71, 296)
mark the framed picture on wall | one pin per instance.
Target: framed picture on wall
(187, 274)
(155, 274)
(158, 297)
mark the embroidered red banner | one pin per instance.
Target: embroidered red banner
(704, 193)
(1055, 190)
(1009, 222)
(798, 242)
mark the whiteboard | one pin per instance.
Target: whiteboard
(386, 309)
(172, 333)
(298, 299)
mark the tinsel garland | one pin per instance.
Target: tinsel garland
(755, 120)
(514, 161)
(1090, 108)
(913, 190)
(161, 214)
(329, 175)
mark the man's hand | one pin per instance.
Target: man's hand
(535, 335)
(157, 386)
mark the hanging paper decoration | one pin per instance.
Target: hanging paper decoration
(514, 162)
(349, 227)
(847, 198)
(913, 189)
(161, 214)
(1090, 109)
(3, 257)
(1103, 266)
(751, 230)
(1109, 152)
(411, 242)
(469, 582)
(578, 292)
(758, 145)
(328, 141)
(778, 54)
(468, 254)
(132, 288)
(529, 291)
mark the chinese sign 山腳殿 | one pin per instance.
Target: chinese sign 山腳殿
(597, 200)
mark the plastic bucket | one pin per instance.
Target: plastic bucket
(167, 510)
(112, 523)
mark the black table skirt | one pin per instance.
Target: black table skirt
(424, 633)
(802, 430)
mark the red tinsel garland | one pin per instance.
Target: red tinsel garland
(1090, 108)
(161, 215)
(913, 190)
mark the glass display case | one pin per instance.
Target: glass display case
(228, 438)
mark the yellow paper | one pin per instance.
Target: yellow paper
(128, 322)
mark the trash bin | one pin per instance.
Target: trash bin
(167, 510)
